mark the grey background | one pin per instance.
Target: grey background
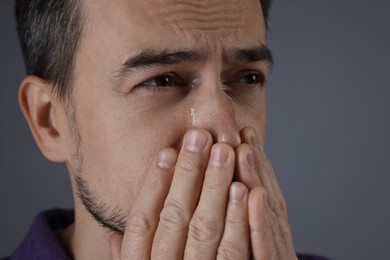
(328, 134)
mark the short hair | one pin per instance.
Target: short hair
(49, 33)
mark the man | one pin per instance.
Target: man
(158, 110)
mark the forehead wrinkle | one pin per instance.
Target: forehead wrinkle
(199, 15)
(132, 16)
(230, 19)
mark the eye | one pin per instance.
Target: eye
(252, 79)
(165, 80)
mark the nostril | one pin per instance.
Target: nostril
(229, 136)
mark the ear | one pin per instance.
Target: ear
(41, 110)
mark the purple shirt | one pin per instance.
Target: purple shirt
(41, 242)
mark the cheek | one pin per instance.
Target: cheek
(119, 144)
(260, 114)
(263, 120)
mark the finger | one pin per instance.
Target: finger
(246, 167)
(276, 201)
(263, 167)
(248, 136)
(261, 233)
(207, 223)
(266, 173)
(143, 217)
(171, 233)
(115, 245)
(235, 239)
(277, 212)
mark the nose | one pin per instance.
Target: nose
(215, 111)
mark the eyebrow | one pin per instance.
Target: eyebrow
(150, 58)
(256, 54)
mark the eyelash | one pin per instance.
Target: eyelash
(254, 78)
(168, 80)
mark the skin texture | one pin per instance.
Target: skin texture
(181, 165)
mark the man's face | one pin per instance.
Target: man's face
(146, 72)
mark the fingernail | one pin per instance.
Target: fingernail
(237, 192)
(166, 159)
(255, 141)
(251, 159)
(196, 141)
(219, 155)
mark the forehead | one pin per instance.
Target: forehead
(141, 24)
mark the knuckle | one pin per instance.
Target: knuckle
(173, 217)
(279, 206)
(274, 205)
(283, 206)
(273, 225)
(216, 183)
(229, 252)
(139, 224)
(188, 165)
(158, 181)
(203, 229)
(282, 203)
(235, 221)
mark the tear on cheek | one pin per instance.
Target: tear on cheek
(194, 118)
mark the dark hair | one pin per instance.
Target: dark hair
(266, 4)
(49, 32)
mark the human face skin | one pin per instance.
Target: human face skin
(123, 120)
